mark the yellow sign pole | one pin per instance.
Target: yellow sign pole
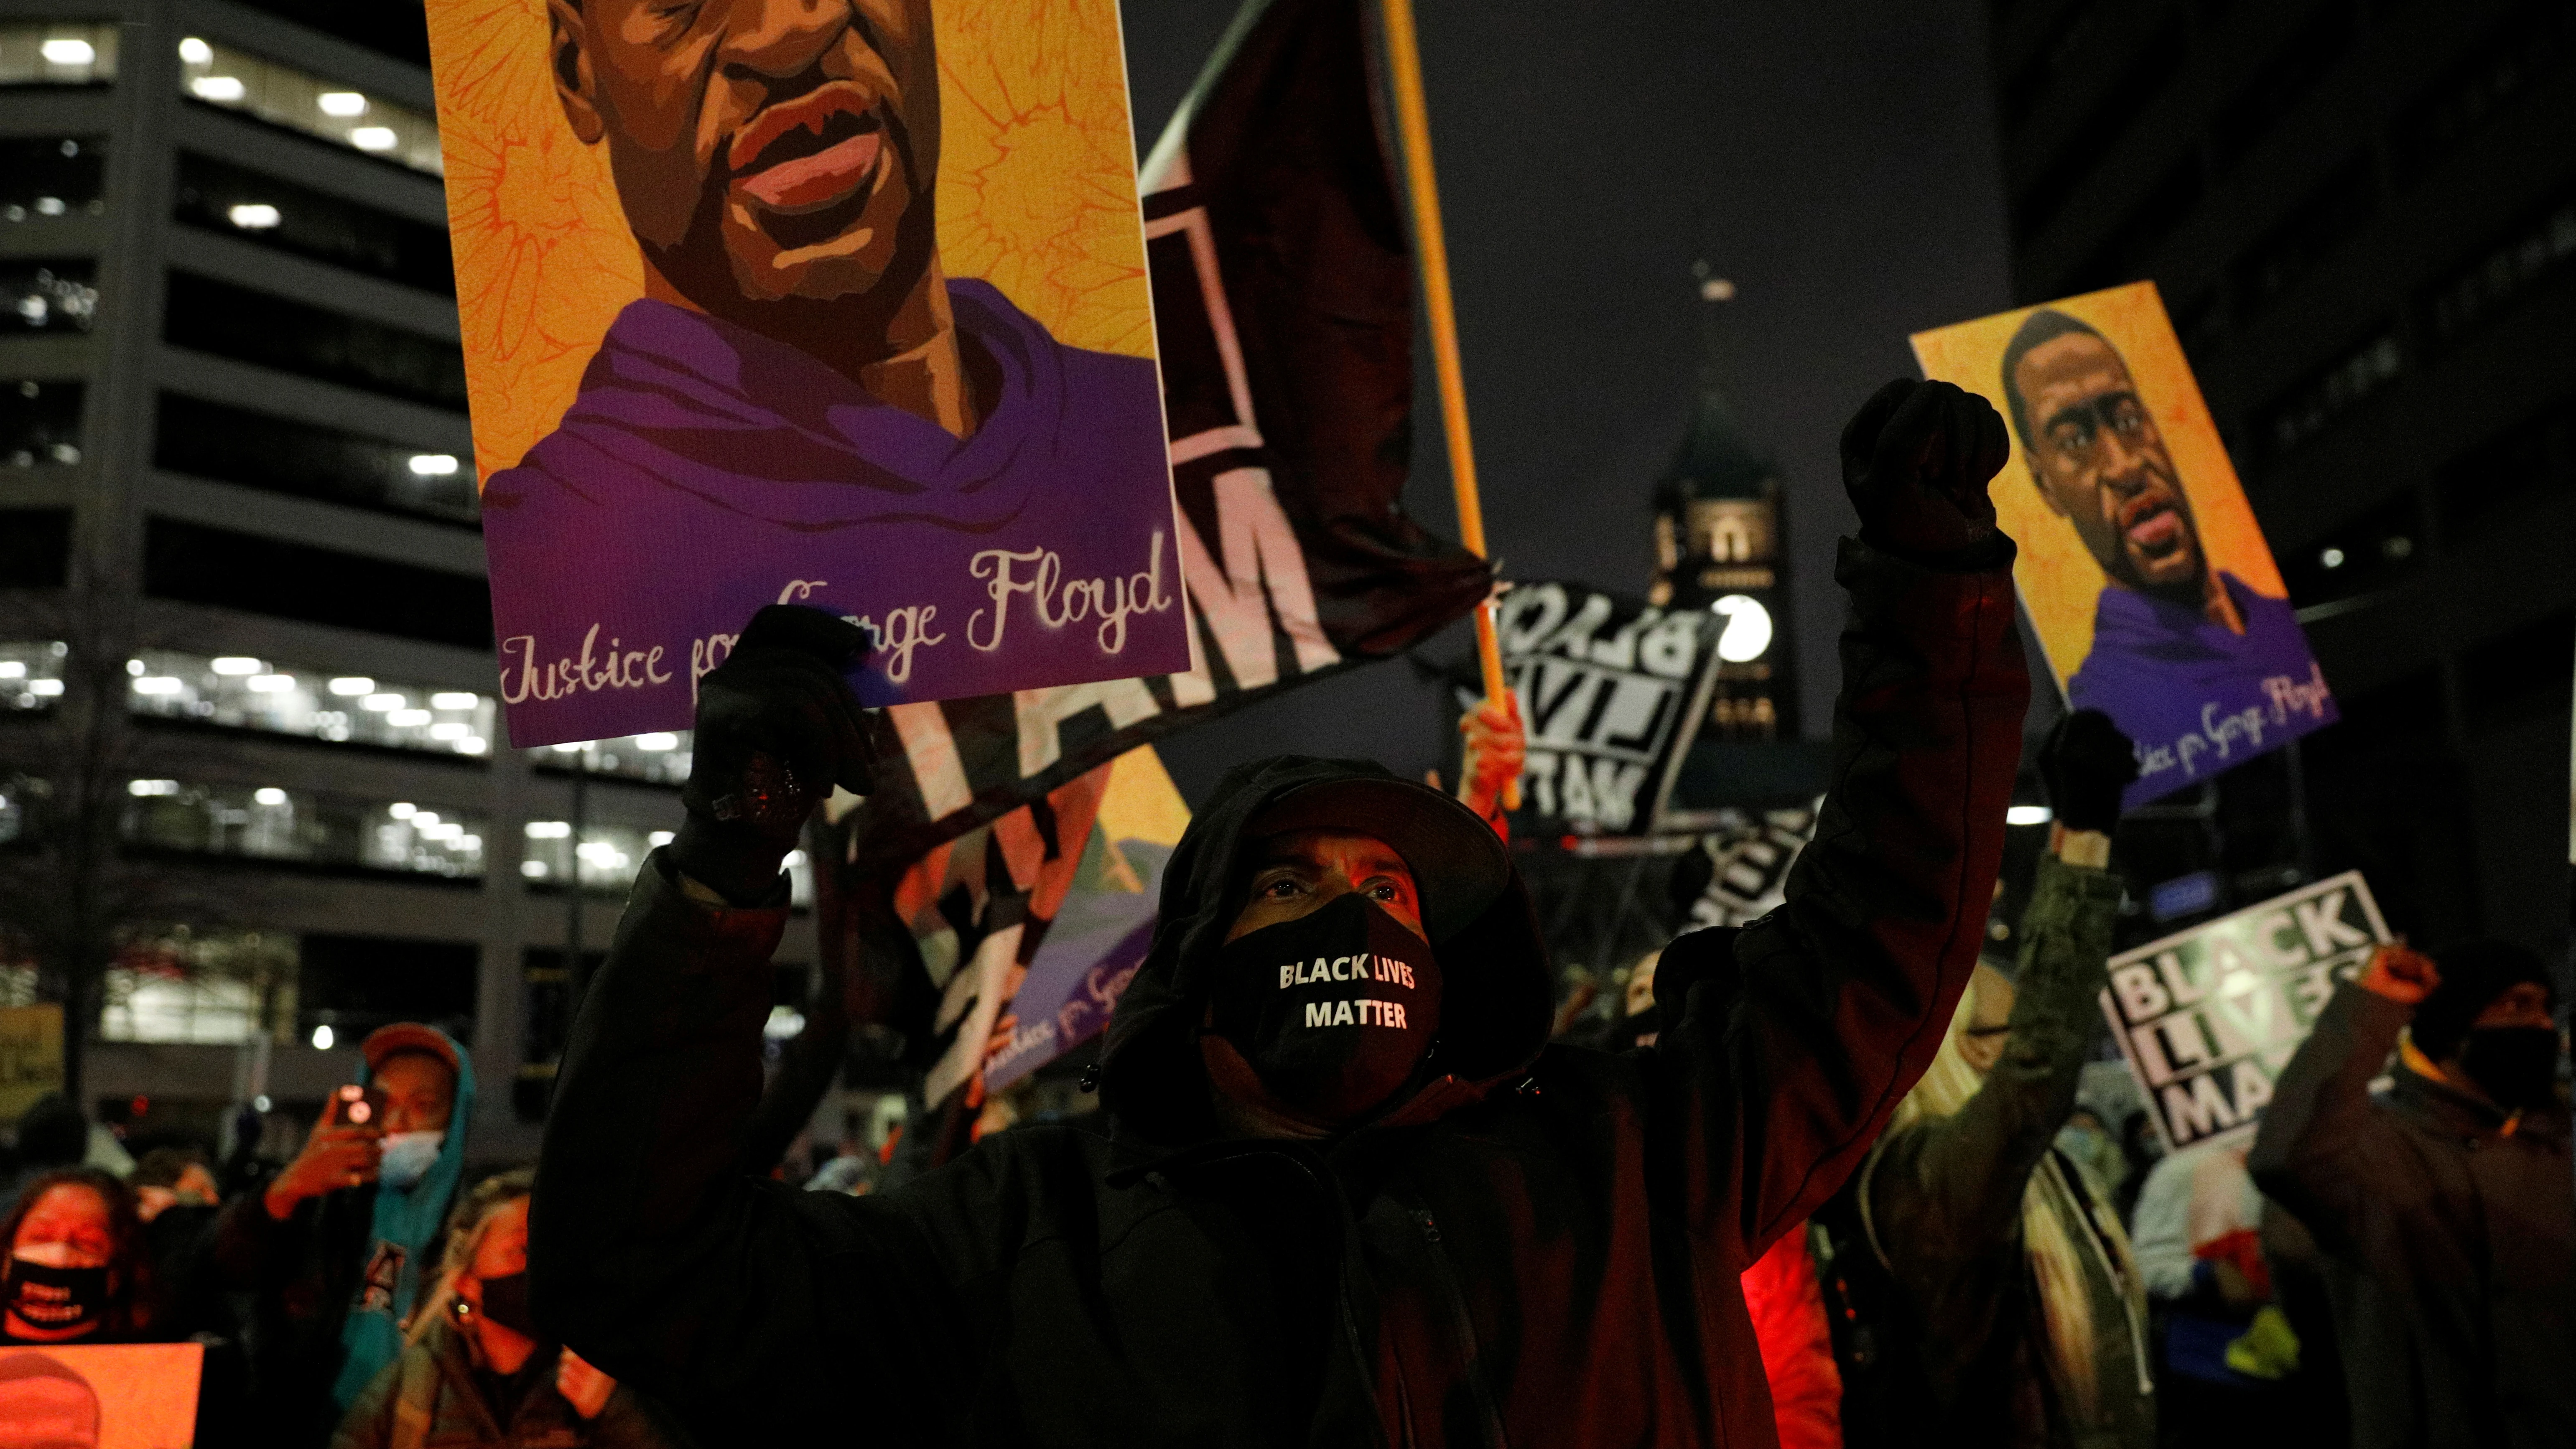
(1413, 119)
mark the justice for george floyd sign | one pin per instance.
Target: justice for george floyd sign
(2208, 1017)
(844, 306)
(2141, 565)
(1612, 689)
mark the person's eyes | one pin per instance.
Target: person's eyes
(1282, 888)
(2071, 437)
(2128, 417)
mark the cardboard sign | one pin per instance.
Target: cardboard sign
(1612, 689)
(2141, 565)
(2208, 1017)
(31, 1056)
(100, 1396)
(876, 338)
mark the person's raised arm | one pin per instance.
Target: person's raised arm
(737, 1301)
(2321, 1145)
(1955, 1184)
(1800, 1033)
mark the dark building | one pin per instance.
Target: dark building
(2362, 216)
(235, 466)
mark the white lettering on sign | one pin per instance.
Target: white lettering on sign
(1056, 601)
(1263, 580)
(2208, 1017)
(588, 672)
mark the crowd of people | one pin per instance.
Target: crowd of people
(360, 1294)
(1837, 1181)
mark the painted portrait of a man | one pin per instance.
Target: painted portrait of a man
(2181, 647)
(804, 403)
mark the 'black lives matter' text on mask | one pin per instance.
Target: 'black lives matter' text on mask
(1333, 1010)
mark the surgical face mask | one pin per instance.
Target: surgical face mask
(505, 1302)
(407, 1157)
(2516, 1065)
(53, 1294)
(1333, 1010)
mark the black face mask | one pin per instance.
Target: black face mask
(505, 1302)
(2516, 1065)
(1334, 1010)
(44, 1296)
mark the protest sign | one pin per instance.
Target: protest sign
(2208, 1017)
(2143, 570)
(878, 339)
(31, 1056)
(101, 1396)
(1612, 690)
(1102, 930)
(1749, 864)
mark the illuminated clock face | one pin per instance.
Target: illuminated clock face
(1747, 636)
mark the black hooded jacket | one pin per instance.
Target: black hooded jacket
(1539, 1246)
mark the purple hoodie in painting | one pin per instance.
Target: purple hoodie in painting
(2195, 695)
(705, 470)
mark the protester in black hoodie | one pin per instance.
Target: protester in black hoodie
(1426, 1226)
(2442, 1207)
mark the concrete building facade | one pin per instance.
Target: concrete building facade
(233, 441)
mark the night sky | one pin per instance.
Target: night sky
(1835, 159)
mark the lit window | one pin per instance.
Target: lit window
(146, 789)
(422, 819)
(237, 664)
(400, 810)
(433, 465)
(13, 669)
(448, 730)
(349, 686)
(533, 869)
(326, 109)
(660, 838)
(454, 699)
(472, 745)
(157, 684)
(269, 683)
(657, 742)
(268, 795)
(549, 829)
(68, 52)
(44, 686)
(404, 719)
(383, 702)
(254, 216)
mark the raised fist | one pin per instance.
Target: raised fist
(1916, 461)
(2401, 974)
(777, 728)
(2087, 763)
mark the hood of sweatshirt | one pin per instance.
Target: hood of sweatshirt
(1497, 1000)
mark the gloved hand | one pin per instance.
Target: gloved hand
(2087, 763)
(1916, 461)
(777, 728)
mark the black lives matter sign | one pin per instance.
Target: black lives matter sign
(2208, 1017)
(1612, 689)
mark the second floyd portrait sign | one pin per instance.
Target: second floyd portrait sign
(835, 304)
(2145, 574)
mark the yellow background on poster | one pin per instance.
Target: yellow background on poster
(1037, 195)
(146, 1393)
(31, 1056)
(2058, 579)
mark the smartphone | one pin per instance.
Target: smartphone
(356, 1106)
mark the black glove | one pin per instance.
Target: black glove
(2087, 762)
(1916, 461)
(777, 728)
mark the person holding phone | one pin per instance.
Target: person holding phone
(333, 1247)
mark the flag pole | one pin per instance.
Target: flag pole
(1413, 121)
